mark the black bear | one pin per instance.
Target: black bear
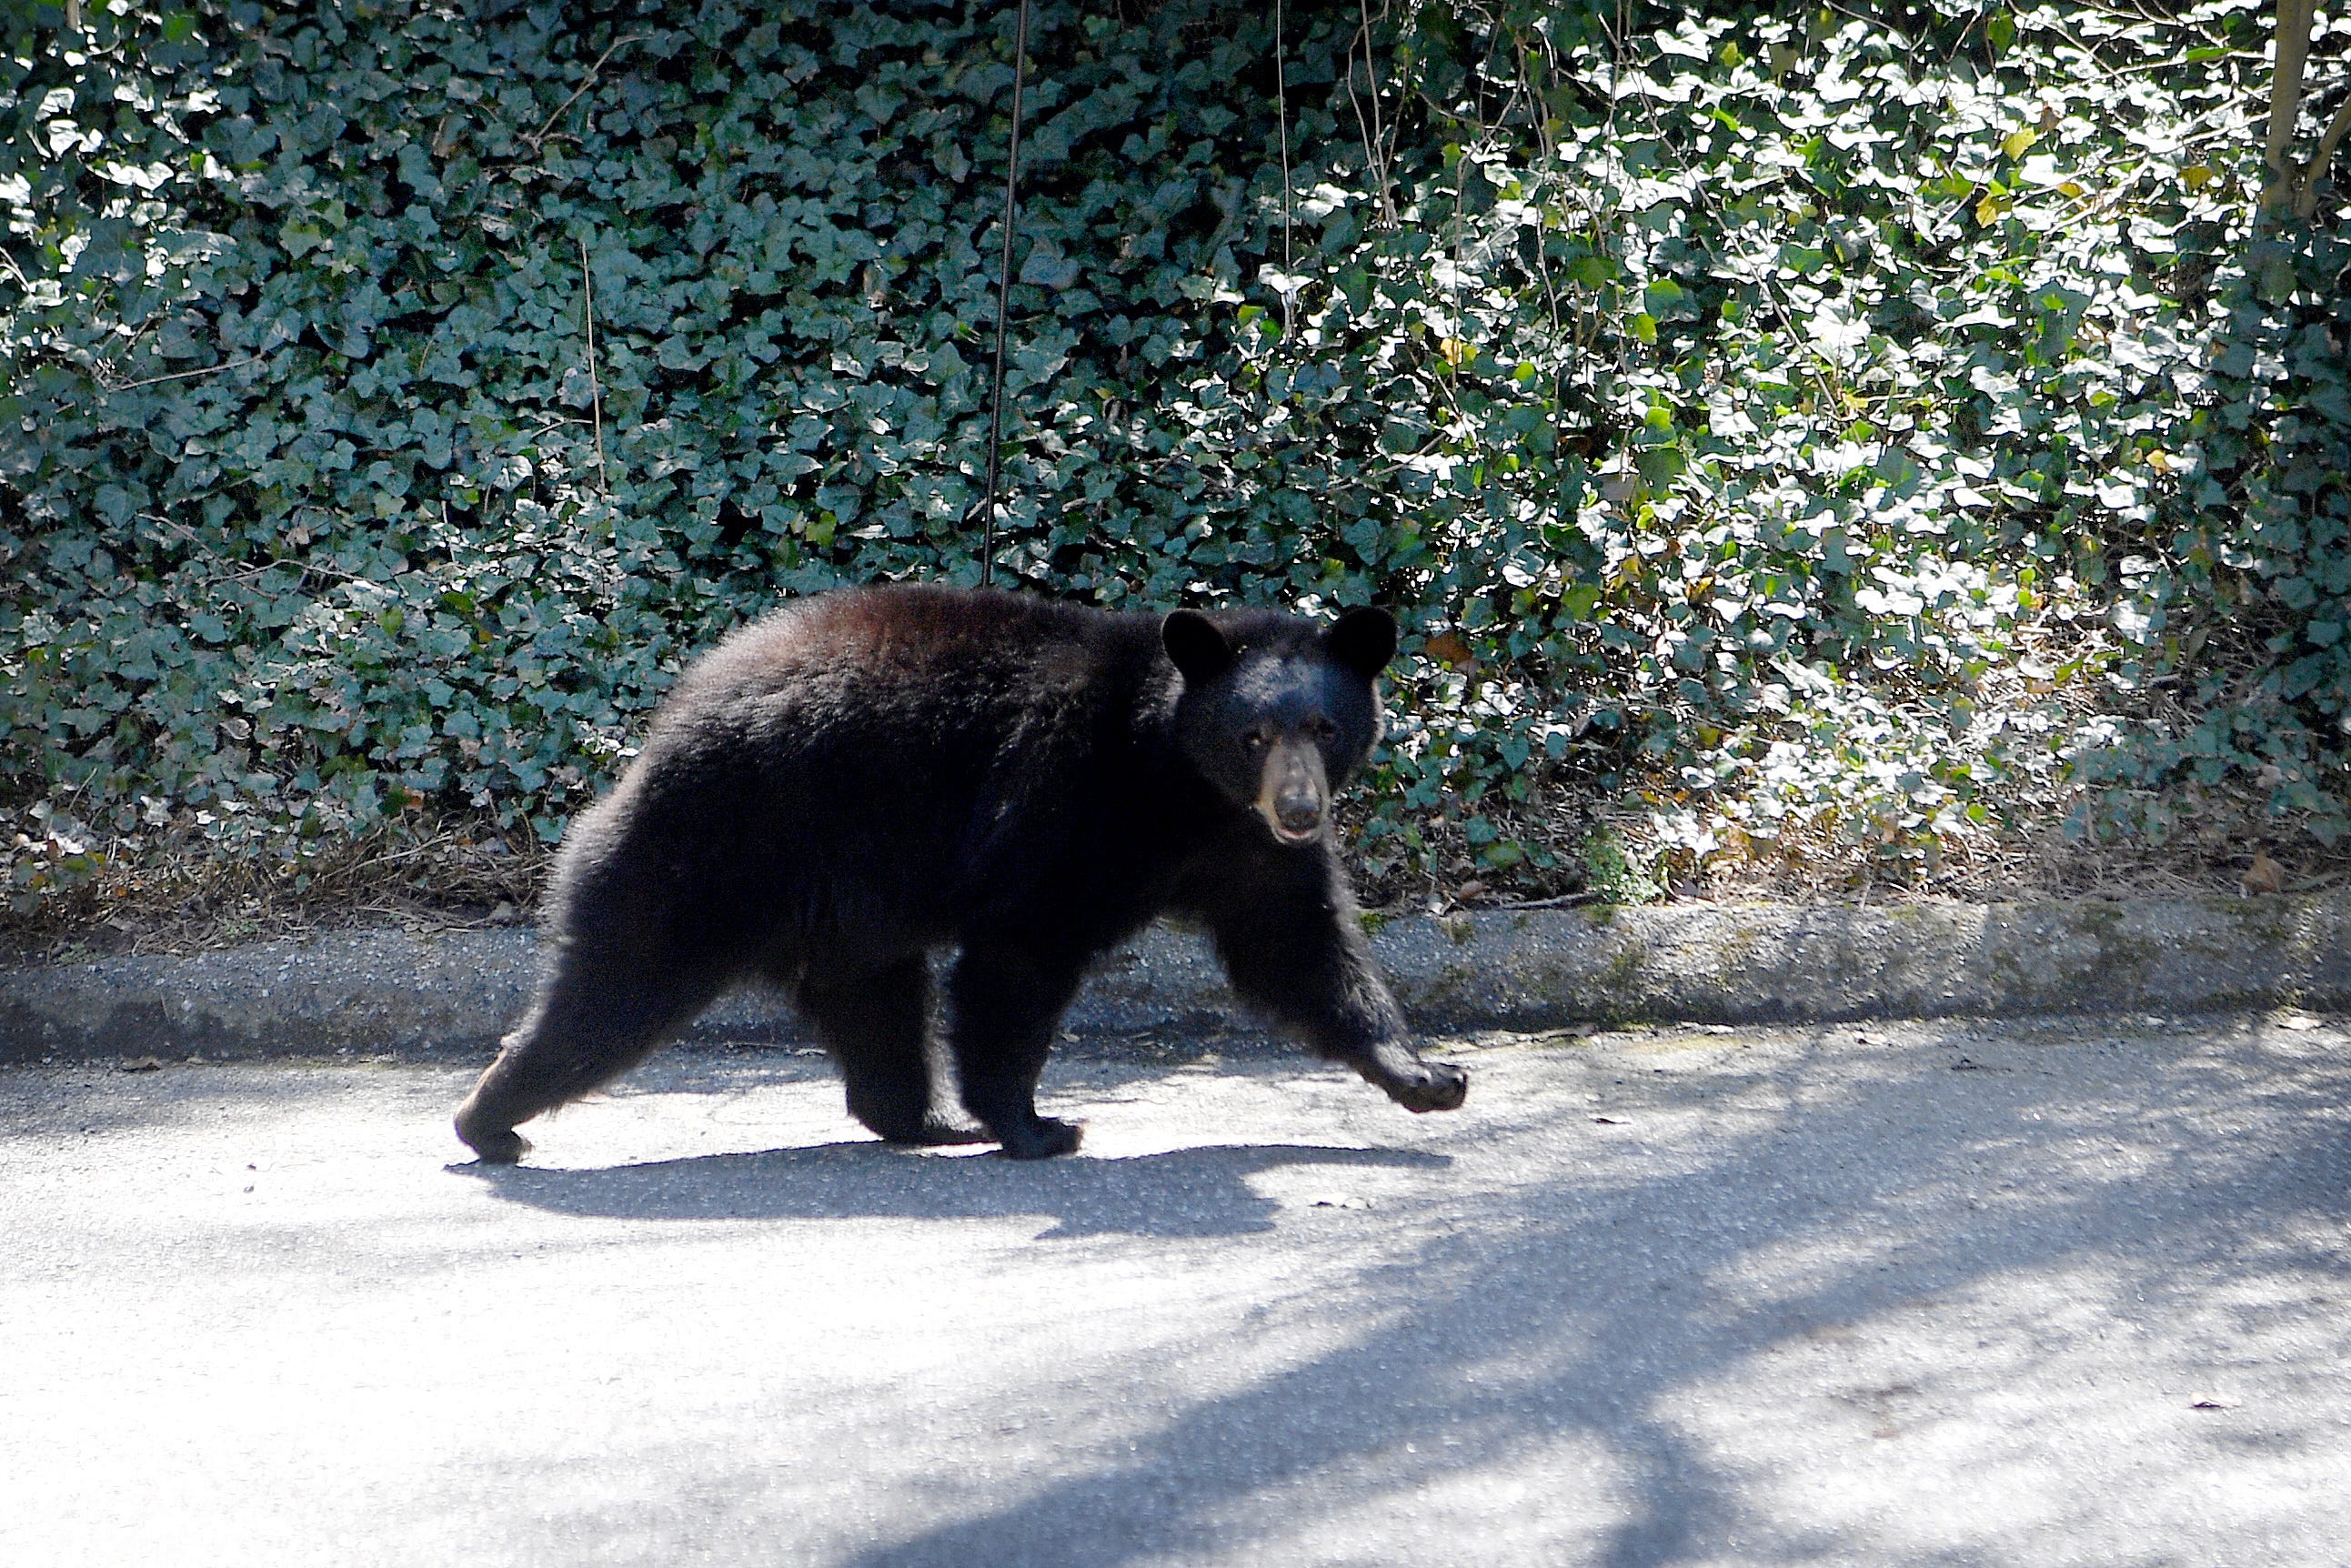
(867, 776)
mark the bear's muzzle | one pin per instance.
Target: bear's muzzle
(1293, 795)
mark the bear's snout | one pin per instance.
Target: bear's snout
(1298, 813)
(1292, 794)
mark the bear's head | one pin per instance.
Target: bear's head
(1277, 713)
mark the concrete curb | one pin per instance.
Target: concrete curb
(449, 995)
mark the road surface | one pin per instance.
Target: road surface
(1988, 1293)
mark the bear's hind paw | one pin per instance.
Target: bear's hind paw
(936, 1131)
(1043, 1138)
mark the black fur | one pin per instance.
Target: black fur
(868, 776)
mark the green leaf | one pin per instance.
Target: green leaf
(1926, 402)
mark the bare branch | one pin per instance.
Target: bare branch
(539, 136)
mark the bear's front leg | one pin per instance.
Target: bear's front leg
(1291, 946)
(1002, 1006)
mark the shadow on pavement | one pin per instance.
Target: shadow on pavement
(1594, 1314)
(1199, 1191)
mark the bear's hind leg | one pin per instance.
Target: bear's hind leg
(876, 1025)
(595, 1017)
(1003, 1007)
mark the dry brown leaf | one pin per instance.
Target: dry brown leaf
(2264, 875)
(1449, 647)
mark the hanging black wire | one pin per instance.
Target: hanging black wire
(1282, 108)
(1004, 301)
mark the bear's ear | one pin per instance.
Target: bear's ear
(1364, 640)
(1198, 649)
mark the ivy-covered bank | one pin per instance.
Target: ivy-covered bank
(1797, 445)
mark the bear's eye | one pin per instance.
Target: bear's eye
(1258, 739)
(1320, 728)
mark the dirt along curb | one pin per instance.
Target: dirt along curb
(450, 995)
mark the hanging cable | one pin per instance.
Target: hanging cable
(1281, 108)
(1003, 301)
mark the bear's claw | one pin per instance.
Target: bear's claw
(1441, 1087)
(939, 1132)
(495, 1148)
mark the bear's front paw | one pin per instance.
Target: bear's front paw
(1044, 1137)
(1438, 1086)
(494, 1145)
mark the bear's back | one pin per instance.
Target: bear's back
(911, 755)
(925, 661)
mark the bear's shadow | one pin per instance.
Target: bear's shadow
(1196, 1191)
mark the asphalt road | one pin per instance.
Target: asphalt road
(1893, 1294)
